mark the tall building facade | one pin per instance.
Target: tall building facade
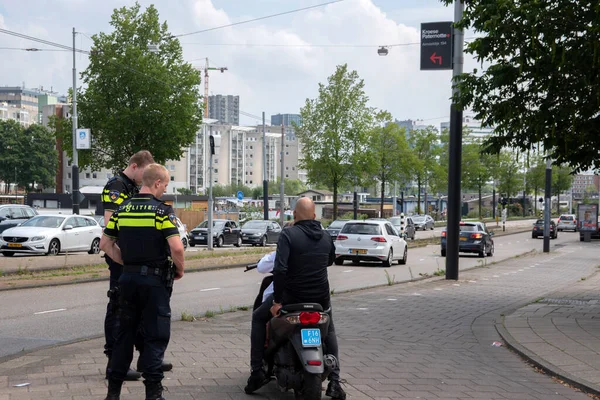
(286, 119)
(225, 109)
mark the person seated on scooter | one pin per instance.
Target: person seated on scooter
(304, 251)
(258, 333)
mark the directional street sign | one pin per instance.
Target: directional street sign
(436, 46)
(240, 195)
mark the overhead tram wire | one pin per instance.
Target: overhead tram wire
(258, 19)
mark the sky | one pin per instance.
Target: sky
(273, 79)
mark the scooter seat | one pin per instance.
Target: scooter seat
(302, 307)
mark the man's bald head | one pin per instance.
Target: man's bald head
(305, 209)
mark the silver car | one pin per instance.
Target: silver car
(370, 240)
(423, 222)
(567, 222)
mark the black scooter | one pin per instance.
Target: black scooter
(294, 351)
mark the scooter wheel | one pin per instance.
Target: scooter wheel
(311, 389)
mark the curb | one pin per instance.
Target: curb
(210, 268)
(539, 362)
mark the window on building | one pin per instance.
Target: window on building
(94, 175)
(68, 188)
(216, 171)
(250, 182)
(87, 175)
(286, 168)
(68, 175)
(172, 179)
(287, 153)
(287, 176)
(216, 160)
(172, 167)
(293, 168)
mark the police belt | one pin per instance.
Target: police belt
(143, 269)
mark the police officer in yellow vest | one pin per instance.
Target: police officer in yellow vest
(121, 187)
(146, 231)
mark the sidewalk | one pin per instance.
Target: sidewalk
(429, 340)
(561, 333)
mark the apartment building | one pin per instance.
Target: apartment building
(224, 108)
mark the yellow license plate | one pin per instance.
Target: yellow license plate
(15, 245)
(463, 239)
(359, 251)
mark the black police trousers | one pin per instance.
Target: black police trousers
(145, 300)
(111, 323)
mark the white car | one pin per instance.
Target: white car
(370, 240)
(52, 234)
(185, 239)
(567, 222)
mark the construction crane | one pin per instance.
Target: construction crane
(206, 69)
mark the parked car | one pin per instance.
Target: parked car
(474, 238)
(100, 220)
(335, 227)
(14, 214)
(259, 232)
(409, 226)
(52, 234)
(538, 229)
(224, 231)
(370, 240)
(423, 222)
(567, 222)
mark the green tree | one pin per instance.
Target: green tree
(476, 171)
(509, 177)
(28, 155)
(536, 177)
(542, 83)
(391, 158)
(38, 144)
(135, 98)
(424, 149)
(334, 132)
(184, 191)
(562, 179)
(10, 157)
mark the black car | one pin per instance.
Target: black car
(259, 232)
(224, 231)
(335, 227)
(538, 229)
(474, 238)
(12, 215)
(409, 226)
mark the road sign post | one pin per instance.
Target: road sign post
(436, 46)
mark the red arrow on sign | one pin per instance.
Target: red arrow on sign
(435, 58)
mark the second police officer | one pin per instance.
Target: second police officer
(146, 231)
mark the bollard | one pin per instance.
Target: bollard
(402, 223)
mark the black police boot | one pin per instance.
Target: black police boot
(335, 391)
(154, 390)
(257, 380)
(165, 366)
(114, 390)
(132, 375)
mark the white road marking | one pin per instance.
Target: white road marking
(210, 289)
(496, 276)
(485, 279)
(50, 311)
(362, 309)
(437, 288)
(417, 294)
(422, 259)
(472, 281)
(521, 270)
(456, 284)
(349, 270)
(392, 299)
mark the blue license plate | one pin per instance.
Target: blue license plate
(311, 337)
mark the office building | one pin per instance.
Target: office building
(476, 130)
(224, 108)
